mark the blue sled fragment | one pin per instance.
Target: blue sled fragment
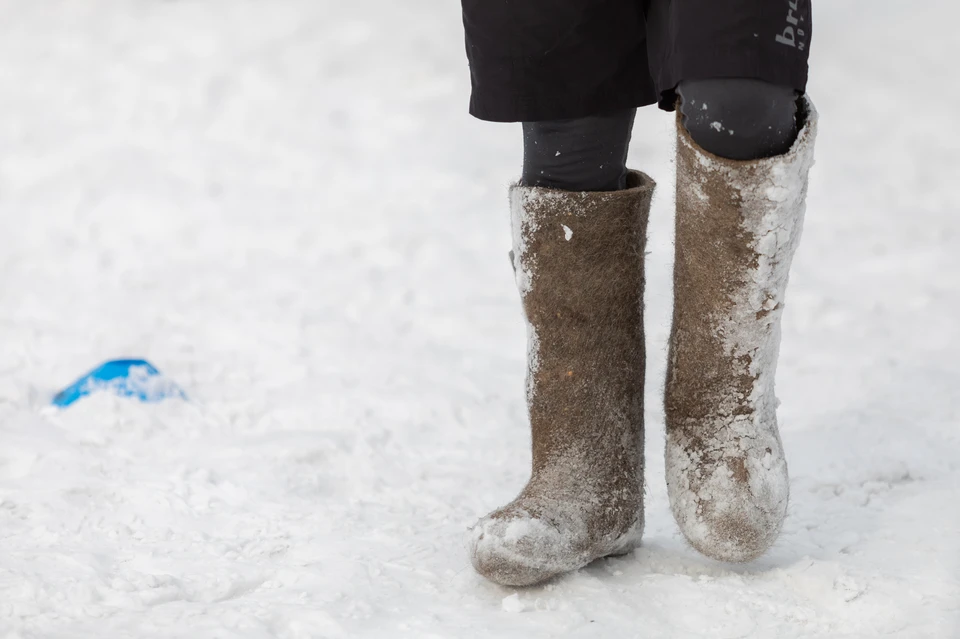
(136, 378)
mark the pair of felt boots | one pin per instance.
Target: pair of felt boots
(579, 262)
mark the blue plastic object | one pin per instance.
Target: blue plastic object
(136, 378)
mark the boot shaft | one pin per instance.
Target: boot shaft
(579, 266)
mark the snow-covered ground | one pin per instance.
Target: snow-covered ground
(285, 206)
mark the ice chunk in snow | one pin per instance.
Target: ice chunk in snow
(513, 603)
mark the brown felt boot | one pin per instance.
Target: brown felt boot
(579, 265)
(738, 225)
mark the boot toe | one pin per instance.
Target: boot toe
(519, 550)
(735, 537)
(729, 518)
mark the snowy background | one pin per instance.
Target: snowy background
(285, 206)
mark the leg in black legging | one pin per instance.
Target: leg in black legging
(739, 118)
(583, 154)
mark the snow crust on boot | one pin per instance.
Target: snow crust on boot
(738, 226)
(579, 267)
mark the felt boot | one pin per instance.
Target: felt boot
(738, 225)
(578, 259)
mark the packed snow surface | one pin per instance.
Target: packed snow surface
(285, 207)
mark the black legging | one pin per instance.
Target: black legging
(736, 118)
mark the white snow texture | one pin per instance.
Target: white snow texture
(284, 206)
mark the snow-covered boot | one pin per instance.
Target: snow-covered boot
(738, 225)
(579, 265)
